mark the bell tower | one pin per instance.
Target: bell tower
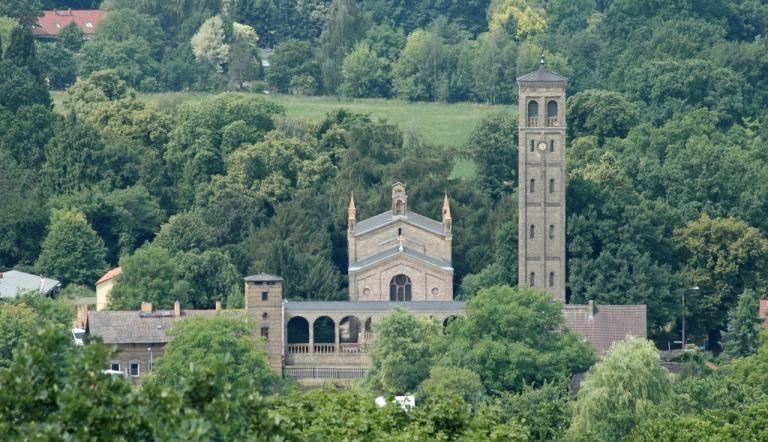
(541, 185)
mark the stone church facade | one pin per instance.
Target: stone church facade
(400, 259)
(399, 255)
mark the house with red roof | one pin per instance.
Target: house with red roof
(52, 22)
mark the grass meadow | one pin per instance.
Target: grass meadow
(438, 123)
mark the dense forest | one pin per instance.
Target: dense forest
(668, 190)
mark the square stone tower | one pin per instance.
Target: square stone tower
(264, 304)
(542, 179)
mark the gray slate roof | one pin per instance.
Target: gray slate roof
(263, 277)
(542, 75)
(373, 306)
(386, 218)
(395, 252)
(130, 327)
(608, 325)
(14, 283)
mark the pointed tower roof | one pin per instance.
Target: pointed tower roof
(542, 75)
(446, 208)
(351, 200)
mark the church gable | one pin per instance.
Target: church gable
(402, 239)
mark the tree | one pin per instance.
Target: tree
(19, 87)
(74, 157)
(743, 326)
(201, 341)
(57, 64)
(345, 25)
(518, 17)
(493, 147)
(123, 22)
(451, 381)
(17, 323)
(131, 58)
(208, 43)
(212, 277)
(403, 353)
(21, 50)
(421, 68)
(185, 232)
(493, 69)
(72, 252)
(385, 41)
(723, 257)
(24, 217)
(292, 59)
(513, 337)
(26, 11)
(545, 410)
(601, 113)
(72, 38)
(364, 73)
(243, 65)
(149, 275)
(619, 391)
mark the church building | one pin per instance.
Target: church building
(399, 255)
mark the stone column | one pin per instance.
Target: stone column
(311, 337)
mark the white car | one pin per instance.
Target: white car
(77, 335)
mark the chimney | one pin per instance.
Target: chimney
(146, 307)
(591, 309)
(218, 306)
(177, 309)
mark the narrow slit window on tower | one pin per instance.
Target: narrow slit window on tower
(551, 231)
(551, 185)
(532, 186)
(551, 145)
(533, 145)
(533, 279)
(551, 279)
(533, 231)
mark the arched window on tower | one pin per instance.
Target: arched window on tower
(552, 113)
(551, 279)
(551, 185)
(533, 113)
(533, 145)
(532, 186)
(532, 281)
(399, 207)
(533, 231)
(551, 231)
(551, 145)
(400, 288)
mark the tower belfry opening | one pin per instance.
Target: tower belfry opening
(541, 157)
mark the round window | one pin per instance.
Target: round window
(366, 291)
(400, 279)
(435, 291)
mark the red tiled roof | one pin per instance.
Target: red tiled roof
(110, 274)
(605, 325)
(763, 312)
(52, 22)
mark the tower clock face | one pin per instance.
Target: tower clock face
(542, 146)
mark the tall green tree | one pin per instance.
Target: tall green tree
(515, 336)
(601, 113)
(26, 11)
(149, 275)
(619, 392)
(201, 341)
(72, 252)
(364, 74)
(71, 37)
(292, 59)
(493, 146)
(403, 353)
(723, 257)
(74, 157)
(345, 25)
(743, 326)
